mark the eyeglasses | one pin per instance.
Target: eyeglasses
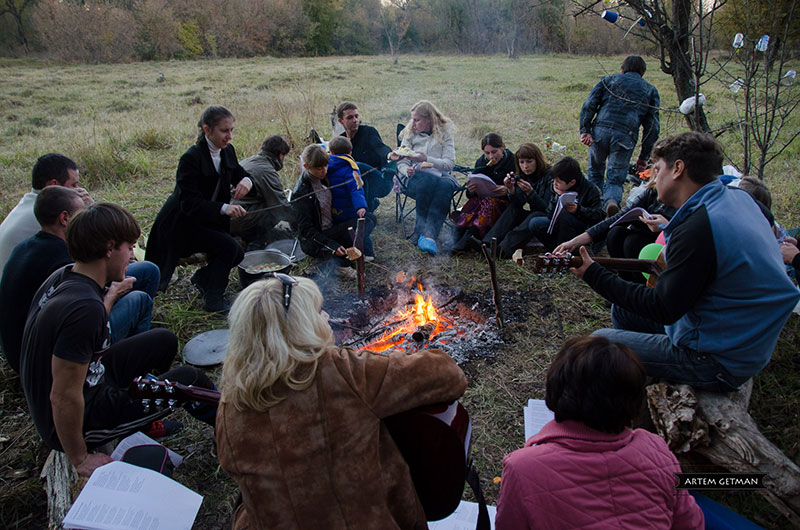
(287, 282)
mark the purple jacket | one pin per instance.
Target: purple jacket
(571, 476)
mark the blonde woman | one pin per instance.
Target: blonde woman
(429, 134)
(299, 424)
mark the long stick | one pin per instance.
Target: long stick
(498, 303)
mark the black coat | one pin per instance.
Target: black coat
(309, 219)
(191, 205)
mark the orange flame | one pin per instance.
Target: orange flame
(420, 314)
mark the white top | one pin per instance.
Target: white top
(19, 225)
(441, 154)
(216, 158)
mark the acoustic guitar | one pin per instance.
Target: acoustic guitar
(558, 263)
(435, 440)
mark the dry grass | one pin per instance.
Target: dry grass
(127, 132)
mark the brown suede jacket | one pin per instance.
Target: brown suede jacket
(322, 458)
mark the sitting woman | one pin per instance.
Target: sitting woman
(196, 217)
(299, 423)
(531, 185)
(485, 205)
(626, 239)
(586, 467)
(429, 135)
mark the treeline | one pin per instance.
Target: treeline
(131, 30)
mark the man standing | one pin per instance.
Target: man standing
(369, 151)
(610, 120)
(74, 380)
(266, 202)
(715, 314)
(51, 169)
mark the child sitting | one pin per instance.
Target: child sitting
(319, 235)
(587, 468)
(573, 219)
(347, 190)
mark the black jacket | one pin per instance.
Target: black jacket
(368, 147)
(309, 219)
(191, 204)
(590, 204)
(648, 200)
(539, 197)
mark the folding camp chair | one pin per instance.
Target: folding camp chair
(402, 210)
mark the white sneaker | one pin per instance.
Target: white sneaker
(369, 259)
(348, 273)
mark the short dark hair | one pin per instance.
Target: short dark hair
(493, 139)
(567, 169)
(90, 232)
(276, 145)
(597, 382)
(529, 150)
(51, 166)
(314, 156)
(53, 200)
(635, 64)
(340, 145)
(757, 189)
(343, 106)
(211, 117)
(700, 152)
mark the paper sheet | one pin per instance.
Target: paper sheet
(485, 185)
(464, 518)
(536, 414)
(632, 215)
(139, 438)
(120, 496)
(568, 197)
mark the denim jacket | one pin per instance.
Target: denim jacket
(624, 102)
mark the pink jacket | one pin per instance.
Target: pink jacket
(571, 476)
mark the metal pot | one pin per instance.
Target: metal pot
(262, 257)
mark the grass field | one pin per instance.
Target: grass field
(127, 129)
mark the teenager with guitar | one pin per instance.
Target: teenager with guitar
(299, 426)
(73, 378)
(715, 314)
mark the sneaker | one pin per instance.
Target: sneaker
(369, 259)
(428, 245)
(611, 208)
(348, 273)
(162, 429)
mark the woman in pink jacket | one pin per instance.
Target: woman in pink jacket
(587, 468)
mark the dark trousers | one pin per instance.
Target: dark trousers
(223, 253)
(109, 412)
(535, 225)
(376, 185)
(339, 233)
(622, 242)
(433, 195)
(508, 220)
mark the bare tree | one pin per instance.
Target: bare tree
(395, 19)
(16, 8)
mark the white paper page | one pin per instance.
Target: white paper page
(139, 438)
(464, 518)
(485, 185)
(568, 197)
(536, 414)
(632, 215)
(120, 496)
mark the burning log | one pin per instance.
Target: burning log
(423, 332)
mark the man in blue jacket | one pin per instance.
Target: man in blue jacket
(715, 315)
(610, 120)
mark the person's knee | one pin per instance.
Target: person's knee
(147, 275)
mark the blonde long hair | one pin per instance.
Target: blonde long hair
(270, 347)
(426, 109)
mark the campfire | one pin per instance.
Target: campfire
(411, 328)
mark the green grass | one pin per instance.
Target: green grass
(127, 131)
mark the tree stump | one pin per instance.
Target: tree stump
(58, 475)
(718, 427)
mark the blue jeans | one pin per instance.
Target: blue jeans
(664, 360)
(433, 195)
(616, 147)
(131, 314)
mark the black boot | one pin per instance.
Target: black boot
(216, 301)
(466, 241)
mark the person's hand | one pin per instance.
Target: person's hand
(790, 239)
(586, 139)
(587, 261)
(242, 188)
(641, 165)
(655, 223)
(410, 171)
(118, 289)
(85, 197)
(418, 157)
(571, 207)
(235, 211)
(471, 186)
(572, 244)
(361, 212)
(92, 462)
(341, 251)
(789, 251)
(394, 156)
(499, 191)
(525, 186)
(509, 182)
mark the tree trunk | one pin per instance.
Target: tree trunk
(682, 62)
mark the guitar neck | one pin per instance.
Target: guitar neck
(627, 264)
